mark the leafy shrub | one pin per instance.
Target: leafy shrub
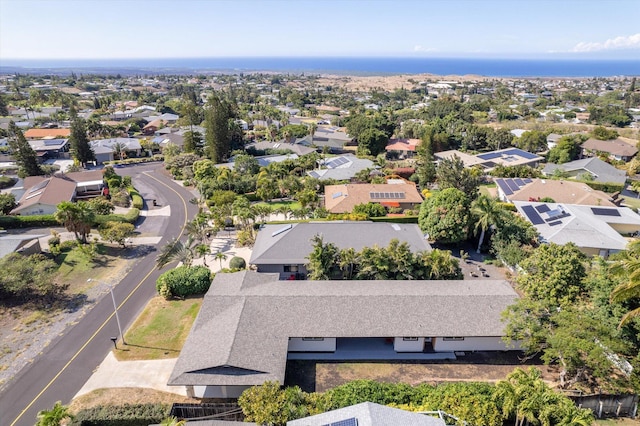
(246, 238)
(237, 263)
(122, 415)
(7, 203)
(19, 222)
(184, 281)
(405, 219)
(136, 199)
(7, 182)
(101, 206)
(370, 210)
(114, 182)
(121, 198)
(130, 217)
(68, 245)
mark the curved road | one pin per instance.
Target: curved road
(68, 362)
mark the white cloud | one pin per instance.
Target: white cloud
(618, 43)
(420, 48)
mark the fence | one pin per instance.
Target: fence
(608, 405)
(229, 411)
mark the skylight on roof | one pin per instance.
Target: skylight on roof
(281, 230)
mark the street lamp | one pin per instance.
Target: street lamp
(115, 308)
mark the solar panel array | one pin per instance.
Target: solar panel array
(387, 195)
(542, 208)
(39, 186)
(510, 186)
(53, 142)
(605, 212)
(336, 162)
(507, 153)
(532, 215)
(347, 422)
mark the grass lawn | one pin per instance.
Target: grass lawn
(76, 267)
(279, 204)
(160, 331)
(488, 190)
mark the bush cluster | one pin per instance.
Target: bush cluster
(40, 221)
(184, 281)
(123, 415)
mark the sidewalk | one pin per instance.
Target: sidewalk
(132, 374)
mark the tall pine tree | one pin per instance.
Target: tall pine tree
(25, 156)
(80, 148)
(216, 123)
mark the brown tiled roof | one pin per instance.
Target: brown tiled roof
(88, 176)
(57, 189)
(562, 192)
(343, 198)
(614, 147)
(402, 144)
(44, 133)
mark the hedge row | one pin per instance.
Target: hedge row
(607, 187)
(35, 221)
(136, 199)
(48, 221)
(122, 415)
(156, 157)
(6, 182)
(131, 217)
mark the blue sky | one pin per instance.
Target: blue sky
(102, 29)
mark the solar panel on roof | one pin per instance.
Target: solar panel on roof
(504, 187)
(489, 155)
(557, 222)
(53, 142)
(532, 215)
(346, 422)
(519, 182)
(528, 180)
(512, 185)
(39, 186)
(542, 208)
(605, 212)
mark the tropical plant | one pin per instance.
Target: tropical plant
(76, 217)
(629, 267)
(487, 214)
(54, 416)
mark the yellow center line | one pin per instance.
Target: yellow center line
(110, 316)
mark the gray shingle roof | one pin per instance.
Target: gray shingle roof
(601, 171)
(369, 414)
(294, 245)
(241, 334)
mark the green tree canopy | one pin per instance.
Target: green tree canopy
(76, 217)
(445, 216)
(25, 156)
(451, 173)
(80, 148)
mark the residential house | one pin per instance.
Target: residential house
(594, 230)
(344, 167)
(616, 149)
(561, 191)
(295, 148)
(250, 324)
(153, 126)
(47, 133)
(114, 148)
(402, 148)
(489, 160)
(50, 148)
(396, 193)
(368, 414)
(24, 244)
(43, 194)
(552, 140)
(598, 170)
(285, 248)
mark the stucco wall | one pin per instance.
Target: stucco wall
(297, 344)
(218, 391)
(472, 344)
(401, 345)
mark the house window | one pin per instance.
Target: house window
(290, 268)
(313, 339)
(410, 339)
(452, 339)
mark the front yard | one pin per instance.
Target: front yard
(160, 331)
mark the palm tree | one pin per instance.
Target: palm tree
(175, 250)
(76, 218)
(629, 268)
(54, 416)
(220, 256)
(348, 257)
(173, 421)
(488, 214)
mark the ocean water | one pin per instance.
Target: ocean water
(344, 65)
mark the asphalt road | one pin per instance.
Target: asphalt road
(68, 362)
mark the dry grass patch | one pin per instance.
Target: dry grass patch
(121, 396)
(330, 375)
(160, 331)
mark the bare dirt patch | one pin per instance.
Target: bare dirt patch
(478, 367)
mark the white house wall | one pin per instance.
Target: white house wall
(297, 344)
(218, 391)
(472, 344)
(37, 209)
(401, 344)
